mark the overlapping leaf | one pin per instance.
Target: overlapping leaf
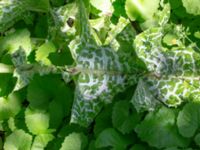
(19, 139)
(74, 141)
(9, 106)
(10, 12)
(172, 75)
(102, 73)
(192, 6)
(158, 129)
(64, 19)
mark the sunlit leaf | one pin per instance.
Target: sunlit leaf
(18, 140)
(74, 141)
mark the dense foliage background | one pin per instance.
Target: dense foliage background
(99, 74)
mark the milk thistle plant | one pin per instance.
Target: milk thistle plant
(99, 74)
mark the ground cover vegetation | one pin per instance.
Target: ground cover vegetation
(99, 74)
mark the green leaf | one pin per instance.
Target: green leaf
(124, 117)
(141, 10)
(9, 106)
(38, 6)
(188, 119)
(37, 121)
(6, 84)
(143, 99)
(158, 129)
(23, 71)
(18, 140)
(11, 11)
(138, 147)
(58, 102)
(84, 111)
(103, 120)
(116, 29)
(175, 4)
(57, 2)
(170, 39)
(105, 6)
(192, 6)
(197, 139)
(41, 99)
(102, 74)
(45, 88)
(171, 71)
(110, 137)
(12, 42)
(101, 26)
(61, 58)
(64, 17)
(41, 141)
(74, 141)
(119, 8)
(43, 52)
(41, 27)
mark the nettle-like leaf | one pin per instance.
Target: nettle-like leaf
(12, 42)
(37, 121)
(18, 139)
(158, 129)
(102, 73)
(74, 141)
(9, 106)
(188, 120)
(192, 6)
(111, 138)
(124, 117)
(41, 141)
(172, 75)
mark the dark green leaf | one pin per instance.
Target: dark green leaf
(158, 129)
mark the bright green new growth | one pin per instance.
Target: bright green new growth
(192, 6)
(9, 106)
(74, 141)
(37, 121)
(141, 10)
(19, 139)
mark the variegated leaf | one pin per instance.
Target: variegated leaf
(24, 71)
(84, 111)
(102, 73)
(173, 74)
(11, 11)
(64, 18)
(143, 99)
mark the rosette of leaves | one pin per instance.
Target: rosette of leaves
(173, 73)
